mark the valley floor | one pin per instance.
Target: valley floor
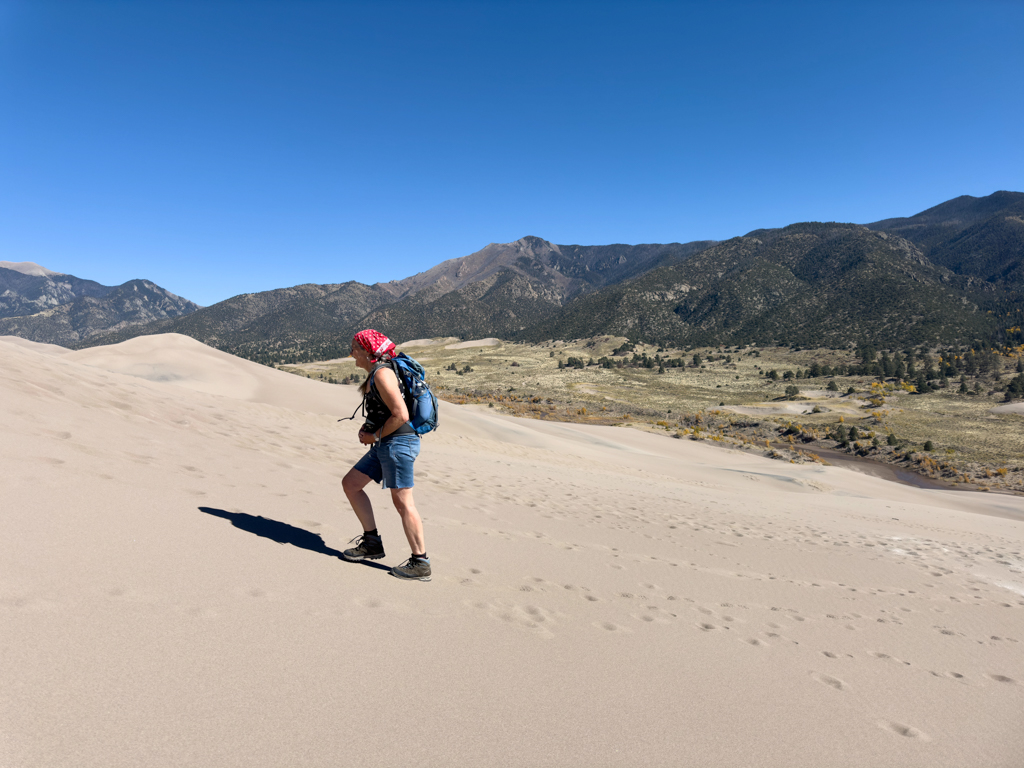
(977, 439)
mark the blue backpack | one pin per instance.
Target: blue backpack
(421, 402)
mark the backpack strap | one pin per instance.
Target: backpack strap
(390, 364)
(371, 389)
(360, 407)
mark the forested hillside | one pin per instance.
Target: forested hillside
(806, 284)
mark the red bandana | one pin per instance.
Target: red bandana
(375, 343)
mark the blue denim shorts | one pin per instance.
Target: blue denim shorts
(391, 460)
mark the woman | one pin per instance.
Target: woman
(394, 446)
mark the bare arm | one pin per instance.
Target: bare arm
(387, 385)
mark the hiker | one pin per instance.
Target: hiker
(394, 446)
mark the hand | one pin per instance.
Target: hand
(366, 438)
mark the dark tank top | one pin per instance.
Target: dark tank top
(377, 411)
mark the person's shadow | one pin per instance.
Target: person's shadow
(282, 533)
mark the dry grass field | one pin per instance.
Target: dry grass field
(727, 398)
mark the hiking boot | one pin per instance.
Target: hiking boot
(367, 548)
(413, 568)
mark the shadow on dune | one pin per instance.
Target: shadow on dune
(282, 533)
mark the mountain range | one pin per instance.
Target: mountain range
(951, 274)
(806, 284)
(42, 305)
(500, 290)
(978, 236)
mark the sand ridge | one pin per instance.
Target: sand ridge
(475, 343)
(49, 349)
(171, 592)
(427, 342)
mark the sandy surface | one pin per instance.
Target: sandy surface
(170, 592)
(774, 409)
(49, 349)
(426, 342)
(1009, 408)
(796, 407)
(475, 343)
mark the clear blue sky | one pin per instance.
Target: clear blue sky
(224, 147)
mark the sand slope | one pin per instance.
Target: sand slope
(49, 349)
(170, 592)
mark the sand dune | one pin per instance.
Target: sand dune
(184, 362)
(49, 349)
(820, 398)
(171, 594)
(1009, 408)
(475, 343)
(426, 342)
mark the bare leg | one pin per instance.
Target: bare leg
(411, 522)
(353, 484)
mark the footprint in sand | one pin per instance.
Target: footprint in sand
(831, 682)
(903, 730)
(525, 616)
(1001, 679)
(655, 615)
